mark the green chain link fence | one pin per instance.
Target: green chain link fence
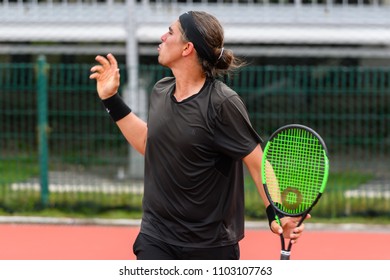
(59, 149)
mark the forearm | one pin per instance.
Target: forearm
(253, 163)
(134, 130)
(132, 127)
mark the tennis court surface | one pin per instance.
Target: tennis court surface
(114, 242)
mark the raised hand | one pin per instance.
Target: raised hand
(106, 75)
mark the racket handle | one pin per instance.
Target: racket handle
(285, 255)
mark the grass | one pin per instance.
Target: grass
(58, 213)
(331, 208)
(340, 181)
(343, 181)
(18, 169)
(333, 204)
(73, 205)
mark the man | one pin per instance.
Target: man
(196, 139)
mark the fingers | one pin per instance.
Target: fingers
(296, 233)
(112, 60)
(298, 230)
(106, 64)
(289, 228)
(102, 60)
(276, 228)
(96, 70)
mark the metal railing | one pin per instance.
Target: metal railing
(257, 2)
(318, 24)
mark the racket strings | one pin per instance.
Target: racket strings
(295, 169)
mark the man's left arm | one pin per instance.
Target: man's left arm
(289, 224)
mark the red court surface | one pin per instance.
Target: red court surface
(76, 242)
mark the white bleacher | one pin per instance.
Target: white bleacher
(287, 27)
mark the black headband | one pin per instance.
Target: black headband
(193, 35)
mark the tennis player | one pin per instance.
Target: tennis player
(196, 139)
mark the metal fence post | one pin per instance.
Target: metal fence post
(133, 95)
(43, 128)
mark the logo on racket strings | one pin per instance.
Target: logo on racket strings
(291, 199)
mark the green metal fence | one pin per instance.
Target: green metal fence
(59, 149)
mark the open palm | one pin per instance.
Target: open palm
(106, 75)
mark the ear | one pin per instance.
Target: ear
(188, 49)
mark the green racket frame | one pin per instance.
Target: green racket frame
(295, 170)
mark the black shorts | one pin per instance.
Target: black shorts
(149, 248)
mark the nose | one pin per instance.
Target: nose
(163, 37)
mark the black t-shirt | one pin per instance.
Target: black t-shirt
(194, 185)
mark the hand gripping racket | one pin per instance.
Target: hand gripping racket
(295, 170)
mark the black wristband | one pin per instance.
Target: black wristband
(116, 107)
(271, 215)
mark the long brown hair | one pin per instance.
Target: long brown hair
(213, 33)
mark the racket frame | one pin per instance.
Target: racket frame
(286, 252)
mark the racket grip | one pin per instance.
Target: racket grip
(285, 255)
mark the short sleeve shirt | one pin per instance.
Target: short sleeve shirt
(194, 183)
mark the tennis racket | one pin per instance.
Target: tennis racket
(295, 170)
